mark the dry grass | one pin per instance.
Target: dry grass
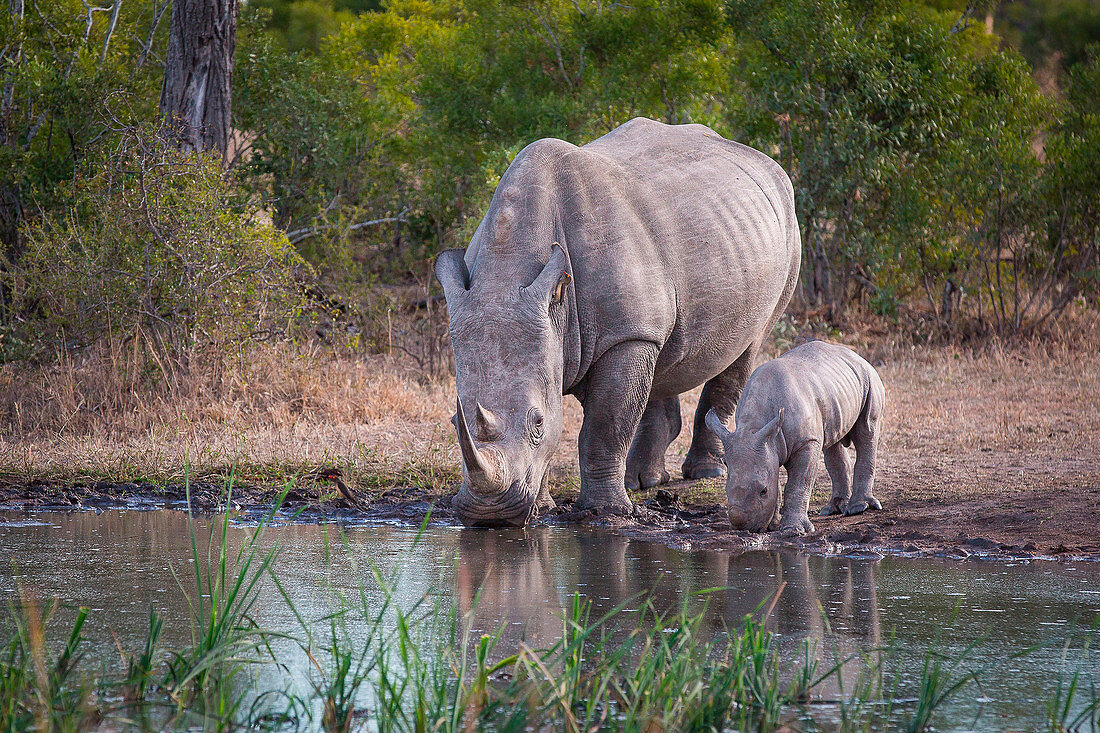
(961, 419)
(275, 411)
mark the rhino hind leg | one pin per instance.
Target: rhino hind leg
(660, 424)
(705, 456)
(838, 462)
(615, 396)
(865, 438)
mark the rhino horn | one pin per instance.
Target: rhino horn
(488, 427)
(481, 469)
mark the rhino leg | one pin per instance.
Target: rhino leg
(865, 439)
(544, 502)
(838, 462)
(704, 458)
(614, 397)
(801, 476)
(660, 424)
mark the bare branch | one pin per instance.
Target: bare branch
(146, 48)
(110, 31)
(553, 41)
(306, 232)
(964, 18)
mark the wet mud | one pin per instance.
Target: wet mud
(995, 526)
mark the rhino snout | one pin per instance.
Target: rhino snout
(750, 521)
(512, 507)
(738, 519)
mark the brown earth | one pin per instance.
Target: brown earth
(991, 451)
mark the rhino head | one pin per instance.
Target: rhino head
(507, 342)
(752, 473)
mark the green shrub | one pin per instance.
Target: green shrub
(154, 246)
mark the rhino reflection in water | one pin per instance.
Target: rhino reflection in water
(832, 602)
(522, 582)
(624, 272)
(505, 580)
(508, 580)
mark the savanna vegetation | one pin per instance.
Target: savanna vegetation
(240, 281)
(162, 271)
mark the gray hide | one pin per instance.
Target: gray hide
(625, 272)
(817, 398)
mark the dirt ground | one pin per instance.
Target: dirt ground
(982, 454)
(991, 452)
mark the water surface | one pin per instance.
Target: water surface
(119, 563)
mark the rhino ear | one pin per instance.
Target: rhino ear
(450, 270)
(552, 282)
(766, 433)
(715, 424)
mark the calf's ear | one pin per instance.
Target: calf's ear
(766, 433)
(550, 286)
(716, 426)
(450, 271)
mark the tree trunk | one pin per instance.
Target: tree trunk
(196, 98)
(11, 206)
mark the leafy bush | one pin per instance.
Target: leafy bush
(915, 144)
(158, 247)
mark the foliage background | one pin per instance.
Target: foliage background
(944, 155)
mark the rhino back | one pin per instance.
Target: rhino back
(675, 236)
(822, 387)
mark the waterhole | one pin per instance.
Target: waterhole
(120, 563)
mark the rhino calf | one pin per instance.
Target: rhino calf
(816, 399)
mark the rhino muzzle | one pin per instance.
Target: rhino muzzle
(513, 507)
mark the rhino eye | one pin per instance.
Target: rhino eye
(534, 425)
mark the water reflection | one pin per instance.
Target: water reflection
(519, 581)
(508, 581)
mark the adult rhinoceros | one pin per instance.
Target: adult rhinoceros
(625, 272)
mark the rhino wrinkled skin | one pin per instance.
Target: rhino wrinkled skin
(816, 399)
(625, 271)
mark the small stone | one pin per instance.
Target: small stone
(666, 498)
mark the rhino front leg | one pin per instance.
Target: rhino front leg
(801, 476)
(660, 424)
(704, 458)
(838, 462)
(544, 502)
(615, 395)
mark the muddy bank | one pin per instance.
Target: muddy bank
(1026, 525)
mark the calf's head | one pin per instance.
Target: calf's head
(752, 473)
(507, 342)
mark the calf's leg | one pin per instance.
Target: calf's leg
(801, 475)
(865, 439)
(838, 462)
